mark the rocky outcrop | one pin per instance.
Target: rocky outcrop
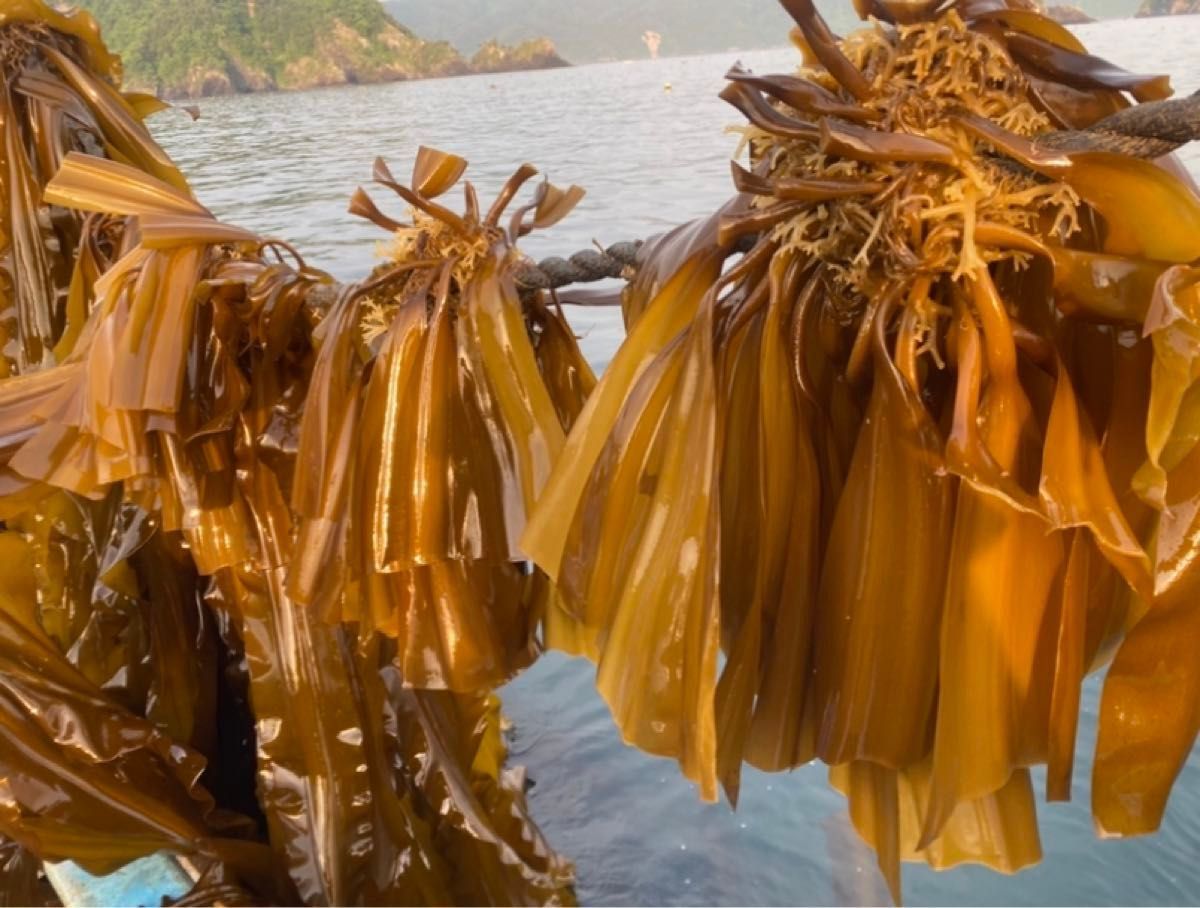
(338, 60)
(1169, 8)
(538, 53)
(342, 57)
(1068, 15)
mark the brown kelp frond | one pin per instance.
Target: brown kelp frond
(35, 25)
(881, 461)
(105, 786)
(453, 746)
(127, 479)
(437, 359)
(155, 458)
(438, 235)
(61, 95)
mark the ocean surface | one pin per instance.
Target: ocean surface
(286, 165)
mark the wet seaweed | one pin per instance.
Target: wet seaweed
(155, 421)
(881, 485)
(901, 444)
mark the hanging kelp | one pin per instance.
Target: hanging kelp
(60, 94)
(440, 399)
(155, 662)
(881, 492)
(84, 778)
(104, 690)
(95, 443)
(920, 458)
(179, 411)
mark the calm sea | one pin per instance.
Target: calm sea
(286, 165)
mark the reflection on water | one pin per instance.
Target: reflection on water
(286, 165)
(639, 835)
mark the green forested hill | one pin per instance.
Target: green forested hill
(202, 47)
(585, 31)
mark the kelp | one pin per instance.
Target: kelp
(183, 416)
(441, 400)
(61, 94)
(451, 748)
(122, 788)
(111, 704)
(178, 427)
(165, 691)
(883, 489)
(901, 444)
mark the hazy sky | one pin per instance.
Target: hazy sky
(587, 30)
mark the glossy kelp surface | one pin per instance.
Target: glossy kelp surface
(440, 401)
(197, 453)
(899, 445)
(61, 94)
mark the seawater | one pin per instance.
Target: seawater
(650, 158)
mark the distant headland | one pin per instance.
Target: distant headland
(1068, 15)
(234, 46)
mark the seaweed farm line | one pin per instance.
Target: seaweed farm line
(285, 164)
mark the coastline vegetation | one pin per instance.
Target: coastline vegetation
(259, 45)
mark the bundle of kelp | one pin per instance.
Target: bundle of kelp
(73, 627)
(439, 402)
(158, 454)
(920, 458)
(159, 688)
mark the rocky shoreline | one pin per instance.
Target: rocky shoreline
(332, 67)
(1068, 15)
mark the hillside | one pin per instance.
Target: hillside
(1068, 14)
(192, 48)
(536, 53)
(613, 30)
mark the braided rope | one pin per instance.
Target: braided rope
(1148, 130)
(617, 261)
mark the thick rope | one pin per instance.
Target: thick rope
(1148, 130)
(617, 261)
